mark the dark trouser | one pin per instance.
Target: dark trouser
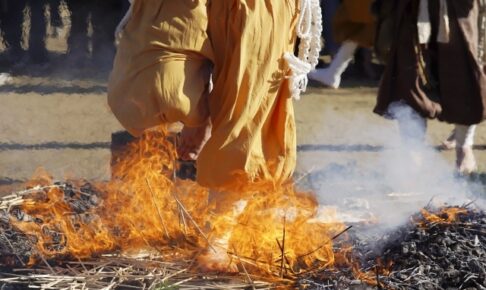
(37, 35)
(56, 20)
(105, 18)
(105, 15)
(11, 21)
(78, 42)
(329, 8)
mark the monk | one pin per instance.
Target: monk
(169, 52)
(435, 67)
(223, 68)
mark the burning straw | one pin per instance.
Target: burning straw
(145, 230)
(144, 210)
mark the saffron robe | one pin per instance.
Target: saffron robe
(169, 51)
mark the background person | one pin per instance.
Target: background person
(11, 23)
(446, 80)
(353, 26)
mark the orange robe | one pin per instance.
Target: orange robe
(354, 21)
(163, 67)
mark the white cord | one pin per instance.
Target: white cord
(309, 29)
(123, 22)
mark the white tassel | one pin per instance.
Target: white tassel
(298, 79)
(309, 29)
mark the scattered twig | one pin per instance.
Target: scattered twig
(193, 221)
(244, 270)
(157, 208)
(11, 247)
(330, 240)
(283, 248)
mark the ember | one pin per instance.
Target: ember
(440, 249)
(146, 228)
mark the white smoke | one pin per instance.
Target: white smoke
(387, 172)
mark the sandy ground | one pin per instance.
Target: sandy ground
(55, 116)
(61, 122)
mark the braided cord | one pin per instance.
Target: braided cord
(309, 29)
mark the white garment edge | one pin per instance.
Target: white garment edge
(464, 135)
(424, 27)
(121, 26)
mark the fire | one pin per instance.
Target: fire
(265, 228)
(446, 215)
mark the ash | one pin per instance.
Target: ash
(437, 255)
(421, 255)
(426, 253)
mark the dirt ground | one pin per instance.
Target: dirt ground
(55, 116)
(60, 121)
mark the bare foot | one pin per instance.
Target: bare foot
(216, 258)
(225, 215)
(192, 141)
(465, 161)
(450, 142)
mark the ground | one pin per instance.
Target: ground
(60, 121)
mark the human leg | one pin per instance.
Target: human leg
(12, 23)
(161, 71)
(331, 76)
(329, 8)
(250, 104)
(450, 142)
(77, 40)
(37, 35)
(253, 135)
(105, 17)
(464, 137)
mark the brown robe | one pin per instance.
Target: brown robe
(454, 87)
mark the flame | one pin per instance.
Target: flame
(445, 216)
(372, 277)
(271, 229)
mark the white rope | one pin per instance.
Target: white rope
(123, 22)
(309, 29)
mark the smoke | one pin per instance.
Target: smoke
(385, 171)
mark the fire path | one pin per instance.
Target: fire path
(146, 229)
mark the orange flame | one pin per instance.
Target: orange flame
(145, 208)
(446, 215)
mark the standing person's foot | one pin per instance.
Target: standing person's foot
(450, 142)
(465, 160)
(216, 257)
(325, 77)
(192, 141)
